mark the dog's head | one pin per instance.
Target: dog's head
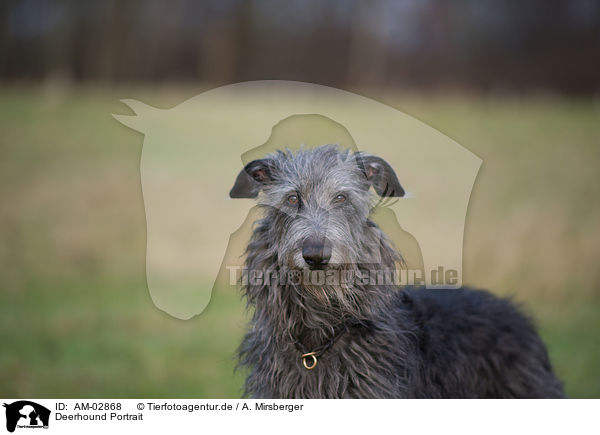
(318, 203)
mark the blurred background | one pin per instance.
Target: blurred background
(517, 83)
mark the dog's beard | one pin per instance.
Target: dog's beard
(334, 290)
(338, 289)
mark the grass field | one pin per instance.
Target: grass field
(76, 319)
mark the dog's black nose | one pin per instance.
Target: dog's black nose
(316, 252)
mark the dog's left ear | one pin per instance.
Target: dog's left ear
(380, 175)
(251, 179)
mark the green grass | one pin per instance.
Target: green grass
(105, 339)
(76, 319)
(571, 333)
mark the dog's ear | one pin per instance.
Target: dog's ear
(380, 175)
(251, 179)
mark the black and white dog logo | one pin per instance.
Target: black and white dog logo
(26, 414)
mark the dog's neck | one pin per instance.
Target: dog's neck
(310, 315)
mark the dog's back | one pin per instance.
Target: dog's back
(472, 344)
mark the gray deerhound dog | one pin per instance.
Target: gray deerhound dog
(338, 338)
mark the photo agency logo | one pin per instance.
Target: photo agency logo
(24, 414)
(195, 152)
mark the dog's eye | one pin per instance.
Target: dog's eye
(339, 199)
(292, 199)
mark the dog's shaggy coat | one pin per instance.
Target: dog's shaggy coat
(374, 341)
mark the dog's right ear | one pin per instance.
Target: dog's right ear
(251, 179)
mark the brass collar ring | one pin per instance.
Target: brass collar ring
(309, 360)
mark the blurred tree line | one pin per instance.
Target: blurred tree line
(479, 45)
